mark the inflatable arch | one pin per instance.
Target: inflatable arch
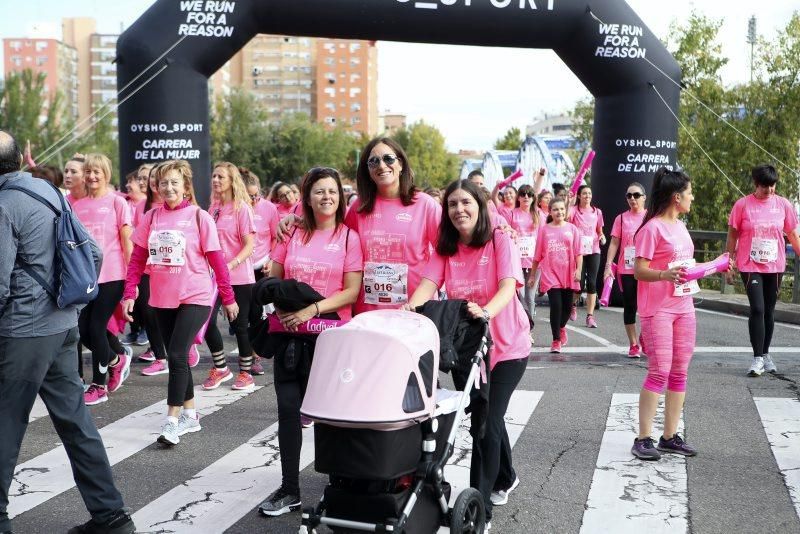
(603, 42)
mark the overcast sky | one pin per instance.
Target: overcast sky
(471, 113)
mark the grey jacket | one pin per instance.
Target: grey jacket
(27, 231)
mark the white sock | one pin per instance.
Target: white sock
(190, 412)
(171, 419)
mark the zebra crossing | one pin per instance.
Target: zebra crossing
(633, 496)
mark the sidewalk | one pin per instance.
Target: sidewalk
(737, 304)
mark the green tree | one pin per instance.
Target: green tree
(425, 146)
(238, 129)
(583, 121)
(512, 140)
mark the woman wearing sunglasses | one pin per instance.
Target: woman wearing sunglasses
(589, 221)
(625, 226)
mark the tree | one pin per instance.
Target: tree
(512, 140)
(238, 129)
(425, 147)
(583, 121)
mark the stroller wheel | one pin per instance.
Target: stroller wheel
(468, 515)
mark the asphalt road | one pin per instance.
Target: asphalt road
(735, 484)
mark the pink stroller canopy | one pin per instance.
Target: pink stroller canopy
(378, 371)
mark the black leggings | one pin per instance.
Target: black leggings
(290, 435)
(560, 306)
(92, 327)
(629, 302)
(213, 336)
(762, 292)
(591, 265)
(150, 319)
(179, 326)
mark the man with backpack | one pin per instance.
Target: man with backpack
(38, 332)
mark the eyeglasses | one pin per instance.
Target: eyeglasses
(375, 161)
(285, 196)
(254, 197)
(637, 196)
(526, 194)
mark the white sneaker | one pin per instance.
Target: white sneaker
(757, 369)
(499, 498)
(169, 433)
(188, 424)
(487, 527)
(769, 365)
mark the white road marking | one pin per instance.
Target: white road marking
(744, 318)
(633, 495)
(781, 421)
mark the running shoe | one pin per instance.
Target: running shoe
(158, 367)
(95, 394)
(147, 356)
(563, 337)
(757, 369)
(645, 449)
(306, 422)
(573, 314)
(243, 382)
(488, 527)
(590, 322)
(141, 339)
(120, 523)
(635, 351)
(129, 339)
(769, 365)
(217, 377)
(500, 497)
(194, 356)
(117, 374)
(169, 433)
(279, 503)
(555, 347)
(675, 445)
(257, 368)
(188, 424)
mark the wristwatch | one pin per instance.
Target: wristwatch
(486, 315)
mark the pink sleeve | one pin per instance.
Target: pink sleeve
(600, 222)
(209, 239)
(616, 230)
(790, 219)
(124, 217)
(735, 218)
(135, 270)
(433, 218)
(538, 255)
(353, 260)
(646, 241)
(222, 275)
(509, 264)
(434, 270)
(247, 224)
(279, 253)
(273, 220)
(351, 217)
(141, 232)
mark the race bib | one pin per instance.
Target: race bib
(526, 244)
(764, 250)
(629, 257)
(167, 247)
(689, 288)
(385, 283)
(587, 244)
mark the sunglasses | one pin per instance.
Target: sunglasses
(637, 196)
(375, 161)
(527, 194)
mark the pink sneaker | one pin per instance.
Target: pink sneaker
(634, 351)
(573, 314)
(590, 322)
(95, 395)
(257, 369)
(158, 367)
(563, 338)
(244, 382)
(555, 347)
(194, 356)
(147, 356)
(217, 377)
(117, 374)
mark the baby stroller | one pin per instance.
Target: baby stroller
(383, 431)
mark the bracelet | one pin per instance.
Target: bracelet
(317, 307)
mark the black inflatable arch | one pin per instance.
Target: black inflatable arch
(603, 42)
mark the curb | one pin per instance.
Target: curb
(726, 306)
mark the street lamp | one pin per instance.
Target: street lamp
(751, 40)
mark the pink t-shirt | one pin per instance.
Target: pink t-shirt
(232, 227)
(138, 212)
(474, 275)
(761, 225)
(557, 251)
(104, 217)
(589, 223)
(322, 262)
(522, 221)
(265, 217)
(395, 236)
(283, 211)
(625, 226)
(173, 283)
(662, 243)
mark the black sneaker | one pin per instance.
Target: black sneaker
(645, 449)
(120, 523)
(279, 503)
(675, 445)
